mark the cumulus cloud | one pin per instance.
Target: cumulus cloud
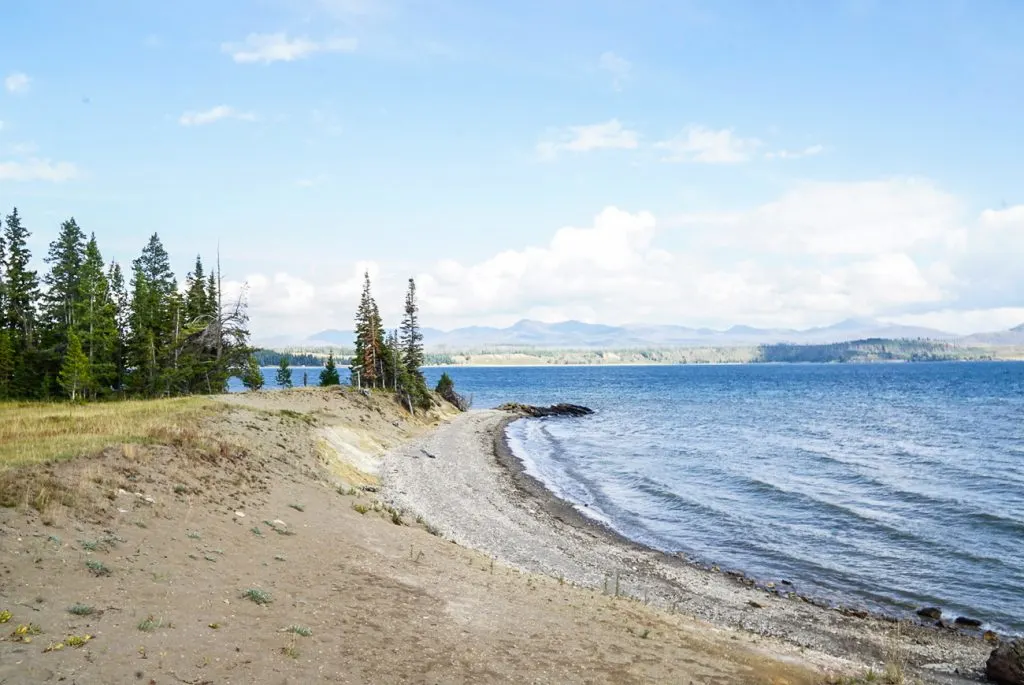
(278, 47)
(616, 66)
(610, 135)
(709, 146)
(214, 114)
(38, 170)
(898, 249)
(17, 82)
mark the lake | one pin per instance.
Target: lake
(885, 486)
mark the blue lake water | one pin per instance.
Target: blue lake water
(888, 486)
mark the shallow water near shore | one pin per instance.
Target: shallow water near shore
(887, 486)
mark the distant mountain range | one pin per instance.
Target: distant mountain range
(579, 335)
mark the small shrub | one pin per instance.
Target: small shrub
(180, 489)
(257, 595)
(290, 650)
(194, 535)
(256, 531)
(149, 624)
(396, 517)
(97, 567)
(5, 616)
(299, 630)
(77, 640)
(360, 507)
(81, 610)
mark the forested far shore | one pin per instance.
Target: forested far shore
(86, 329)
(857, 351)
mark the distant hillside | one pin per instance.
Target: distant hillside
(576, 335)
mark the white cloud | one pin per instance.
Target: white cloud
(17, 82)
(896, 249)
(863, 218)
(610, 135)
(617, 67)
(809, 151)
(38, 170)
(214, 114)
(710, 146)
(278, 47)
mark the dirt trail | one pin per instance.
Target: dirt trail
(383, 603)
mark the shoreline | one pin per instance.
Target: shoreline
(568, 512)
(476, 492)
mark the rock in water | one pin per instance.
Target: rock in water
(934, 613)
(1005, 665)
(967, 622)
(553, 410)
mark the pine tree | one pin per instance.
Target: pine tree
(140, 353)
(96, 319)
(284, 373)
(329, 376)
(412, 337)
(367, 363)
(196, 296)
(21, 296)
(252, 377)
(122, 318)
(66, 256)
(74, 372)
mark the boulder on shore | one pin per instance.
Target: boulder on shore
(1005, 665)
(553, 410)
(934, 613)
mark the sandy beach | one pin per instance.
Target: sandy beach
(465, 482)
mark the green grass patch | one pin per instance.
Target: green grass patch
(255, 594)
(81, 610)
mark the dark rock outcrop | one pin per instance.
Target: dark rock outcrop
(1005, 665)
(965, 622)
(553, 410)
(934, 613)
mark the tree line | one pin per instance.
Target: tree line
(86, 330)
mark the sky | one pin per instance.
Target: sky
(763, 162)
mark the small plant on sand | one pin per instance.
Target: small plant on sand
(25, 632)
(297, 507)
(81, 610)
(90, 545)
(5, 616)
(97, 567)
(149, 624)
(290, 650)
(299, 630)
(256, 531)
(895, 659)
(194, 535)
(180, 489)
(278, 557)
(255, 594)
(396, 517)
(360, 507)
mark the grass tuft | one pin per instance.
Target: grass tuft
(149, 624)
(255, 594)
(299, 630)
(360, 507)
(97, 567)
(81, 610)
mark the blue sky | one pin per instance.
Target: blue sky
(694, 162)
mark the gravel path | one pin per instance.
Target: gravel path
(463, 482)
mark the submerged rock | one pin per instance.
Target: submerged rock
(967, 622)
(934, 613)
(553, 410)
(1005, 665)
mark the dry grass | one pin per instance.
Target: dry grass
(37, 440)
(34, 433)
